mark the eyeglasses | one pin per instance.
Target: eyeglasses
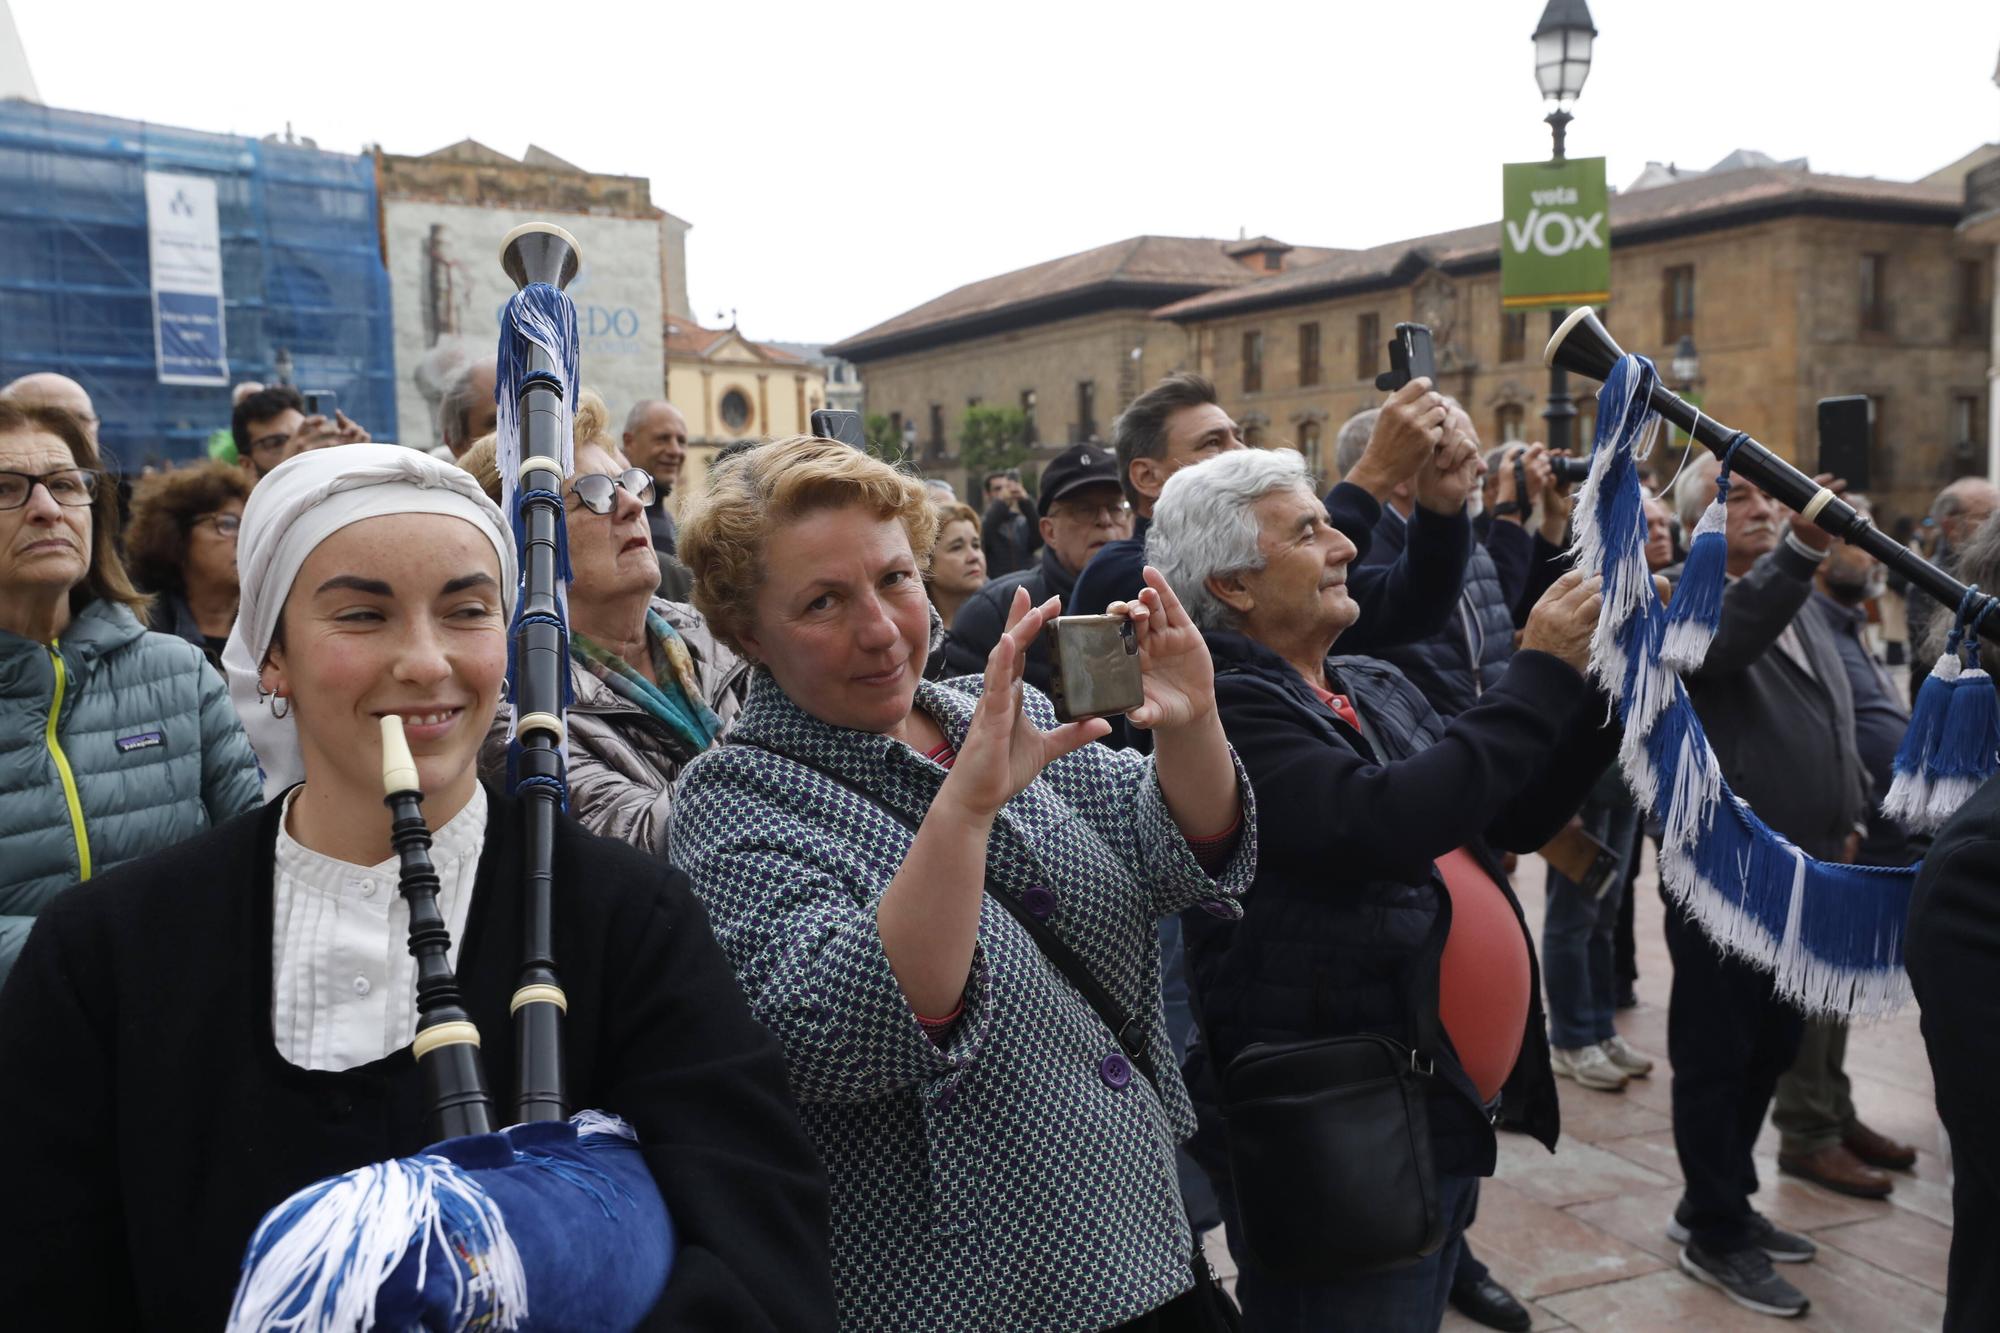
(73, 487)
(225, 525)
(265, 444)
(598, 490)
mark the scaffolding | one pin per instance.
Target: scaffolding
(302, 271)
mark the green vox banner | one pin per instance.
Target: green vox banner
(1555, 234)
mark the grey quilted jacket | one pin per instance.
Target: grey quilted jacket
(622, 763)
(1018, 1176)
(119, 743)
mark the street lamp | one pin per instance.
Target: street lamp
(1562, 62)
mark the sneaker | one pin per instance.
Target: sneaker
(1590, 1067)
(1778, 1244)
(1746, 1277)
(1621, 1054)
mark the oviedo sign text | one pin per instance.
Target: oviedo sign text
(1555, 241)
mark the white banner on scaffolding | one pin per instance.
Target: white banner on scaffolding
(185, 238)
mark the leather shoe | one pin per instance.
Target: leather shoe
(1487, 1302)
(1838, 1170)
(1878, 1149)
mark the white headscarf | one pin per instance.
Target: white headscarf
(298, 505)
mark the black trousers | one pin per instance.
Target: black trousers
(1729, 1037)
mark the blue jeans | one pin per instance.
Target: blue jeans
(1404, 1300)
(1578, 968)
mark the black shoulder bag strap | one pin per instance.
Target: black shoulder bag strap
(1219, 1311)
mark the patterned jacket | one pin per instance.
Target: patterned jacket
(1018, 1176)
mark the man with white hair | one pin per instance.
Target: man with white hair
(1774, 698)
(1376, 821)
(656, 439)
(467, 408)
(45, 388)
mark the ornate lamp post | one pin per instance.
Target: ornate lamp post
(1562, 63)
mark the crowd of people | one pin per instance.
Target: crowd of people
(931, 1011)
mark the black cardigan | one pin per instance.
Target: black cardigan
(150, 1121)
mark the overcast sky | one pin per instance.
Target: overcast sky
(842, 162)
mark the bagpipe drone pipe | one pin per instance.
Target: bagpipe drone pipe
(1830, 934)
(556, 1222)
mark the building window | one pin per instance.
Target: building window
(735, 410)
(974, 401)
(1367, 347)
(1028, 417)
(1972, 316)
(1677, 303)
(937, 429)
(1273, 261)
(1253, 361)
(1968, 423)
(1086, 411)
(1513, 335)
(1309, 441)
(1874, 296)
(896, 424)
(1511, 427)
(1309, 356)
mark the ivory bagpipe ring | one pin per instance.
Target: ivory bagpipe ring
(443, 1034)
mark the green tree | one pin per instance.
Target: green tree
(990, 439)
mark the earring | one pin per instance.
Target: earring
(281, 705)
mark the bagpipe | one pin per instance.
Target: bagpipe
(555, 1222)
(1831, 934)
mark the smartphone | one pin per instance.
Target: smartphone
(1583, 860)
(833, 423)
(1845, 439)
(322, 403)
(1094, 663)
(1411, 356)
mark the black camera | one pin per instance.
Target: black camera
(1568, 471)
(1410, 357)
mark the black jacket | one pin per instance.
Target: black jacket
(1784, 734)
(1952, 951)
(154, 1122)
(1461, 661)
(1349, 825)
(983, 619)
(1010, 532)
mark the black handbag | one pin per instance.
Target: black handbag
(1207, 1303)
(1329, 1145)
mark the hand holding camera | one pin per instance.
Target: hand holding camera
(1004, 750)
(1406, 436)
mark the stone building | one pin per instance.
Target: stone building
(1793, 285)
(1067, 341)
(729, 387)
(443, 217)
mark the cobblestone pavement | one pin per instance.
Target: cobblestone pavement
(1580, 1235)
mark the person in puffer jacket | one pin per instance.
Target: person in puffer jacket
(117, 742)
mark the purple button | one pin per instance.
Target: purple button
(1115, 1070)
(1215, 907)
(1041, 904)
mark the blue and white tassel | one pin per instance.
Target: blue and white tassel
(1830, 934)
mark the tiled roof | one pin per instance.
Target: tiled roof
(689, 339)
(1710, 198)
(1138, 263)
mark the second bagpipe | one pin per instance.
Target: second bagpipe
(1830, 934)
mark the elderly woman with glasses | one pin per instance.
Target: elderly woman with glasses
(122, 742)
(182, 545)
(897, 867)
(652, 687)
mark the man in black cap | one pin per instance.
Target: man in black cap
(1083, 511)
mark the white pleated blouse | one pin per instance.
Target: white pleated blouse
(343, 984)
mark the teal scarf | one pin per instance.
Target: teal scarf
(675, 703)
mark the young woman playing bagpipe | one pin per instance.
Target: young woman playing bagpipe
(190, 1039)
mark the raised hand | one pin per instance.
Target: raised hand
(1809, 532)
(1564, 619)
(1405, 436)
(1004, 751)
(1178, 675)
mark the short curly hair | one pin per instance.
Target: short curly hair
(722, 536)
(164, 508)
